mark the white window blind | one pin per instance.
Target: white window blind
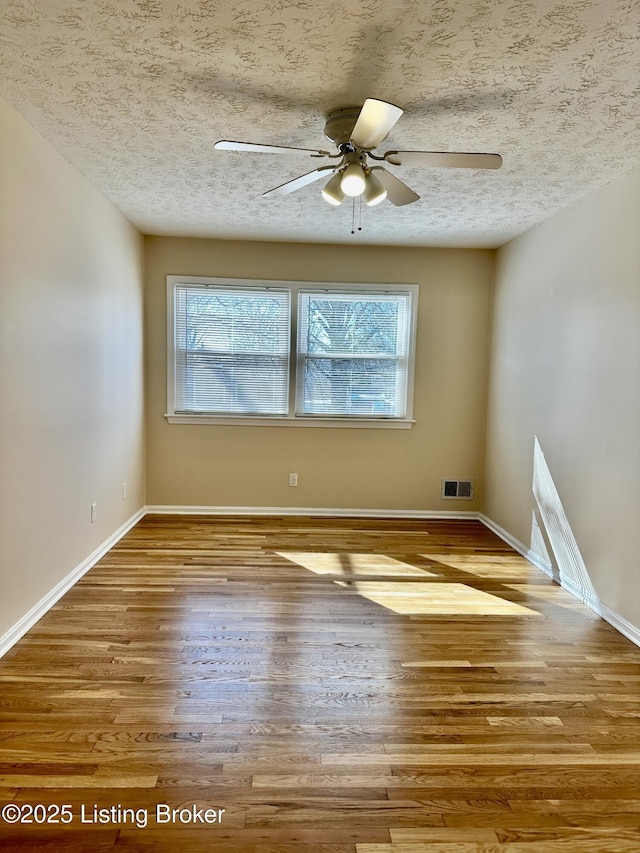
(231, 350)
(353, 350)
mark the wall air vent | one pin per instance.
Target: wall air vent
(458, 489)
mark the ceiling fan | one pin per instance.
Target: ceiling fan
(356, 132)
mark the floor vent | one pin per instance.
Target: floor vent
(459, 489)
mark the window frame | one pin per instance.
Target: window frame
(291, 418)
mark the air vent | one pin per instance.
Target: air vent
(458, 489)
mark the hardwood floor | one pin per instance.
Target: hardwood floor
(335, 685)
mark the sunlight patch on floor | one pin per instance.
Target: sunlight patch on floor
(402, 588)
(548, 594)
(511, 566)
(437, 599)
(348, 565)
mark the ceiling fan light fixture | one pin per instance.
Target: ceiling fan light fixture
(374, 192)
(356, 132)
(332, 191)
(353, 181)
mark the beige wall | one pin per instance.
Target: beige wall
(351, 468)
(71, 378)
(565, 367)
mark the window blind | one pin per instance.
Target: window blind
(353, 351)
(231, 350)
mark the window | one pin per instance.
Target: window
(290, 352)
(353, 349)
(231, 350)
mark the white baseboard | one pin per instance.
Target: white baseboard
(588, 598)
(620, 624)
(592, 602)
(11, 637)
(319, 512)
(527, 553)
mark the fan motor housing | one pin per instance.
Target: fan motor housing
(340, 124)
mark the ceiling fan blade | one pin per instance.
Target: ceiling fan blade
(448, 159)
(298, 183)
(373, 124)
(397, 192)
(230, 145)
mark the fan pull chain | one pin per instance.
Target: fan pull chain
(353, 214)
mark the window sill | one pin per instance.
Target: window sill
(340, 423)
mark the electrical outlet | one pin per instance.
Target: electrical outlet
(124, 491)
(293, 479)
(94, 508)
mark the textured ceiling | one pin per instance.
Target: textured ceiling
(134, 93)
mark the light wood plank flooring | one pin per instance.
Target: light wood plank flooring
(335, 685)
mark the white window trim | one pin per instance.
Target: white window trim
(290, 420)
